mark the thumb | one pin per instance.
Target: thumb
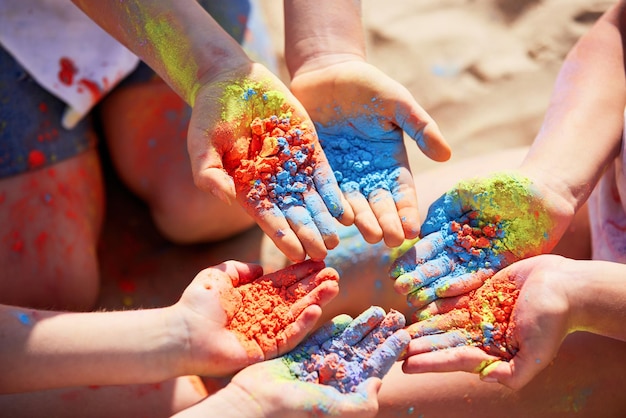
(217, 182)
(423, 130)
(514, 374)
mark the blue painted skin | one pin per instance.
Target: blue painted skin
(364, 155)
(364, 347)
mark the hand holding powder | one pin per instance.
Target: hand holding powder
(346, 352)
(473, 231)
(235, 316)
(267, 147)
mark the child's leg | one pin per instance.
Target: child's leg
(132, 401)
(50, 221)
(51, 199)
(145, 124)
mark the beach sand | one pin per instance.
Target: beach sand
(484, 70)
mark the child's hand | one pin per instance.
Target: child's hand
(508, 330)
(336, 370)
(250, 139)
(360, 115)
(476, 229)
(232, 316)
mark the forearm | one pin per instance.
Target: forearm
(230, 401)
(597, 296)
(43, 349)
(321, 32)
(178, 39)
(582, 128)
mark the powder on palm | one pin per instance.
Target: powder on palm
(274, 166)
(261, 310)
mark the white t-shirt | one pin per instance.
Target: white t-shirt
(64, 51)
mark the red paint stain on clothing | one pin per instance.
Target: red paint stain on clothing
(260, 311)
(67, 71)
(36, 159)
(92, 87)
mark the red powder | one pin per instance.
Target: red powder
(36, 159)
(260, 311)
(67, 72)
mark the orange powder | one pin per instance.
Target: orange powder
(260, 311)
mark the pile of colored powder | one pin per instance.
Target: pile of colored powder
(490, 308)
(362, 166)
(263, 309)
(274, 166)
(474, 243)
(345, 362)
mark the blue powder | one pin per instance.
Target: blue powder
(362, 166)
(355, 352)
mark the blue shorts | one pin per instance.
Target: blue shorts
(31, 134)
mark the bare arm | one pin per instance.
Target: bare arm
(597, 298)
(582, 129)
(321, 33)
(178, 39)
(44, 349)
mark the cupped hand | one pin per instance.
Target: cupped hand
(360, 115)
(477, 228)
(232, 315)
(508, 330)
(250, 139)
(335, 371)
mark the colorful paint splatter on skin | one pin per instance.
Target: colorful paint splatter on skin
(483, 317)
(478, 228)
(345, 352)
(259, 312)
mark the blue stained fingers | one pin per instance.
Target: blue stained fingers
(423, 275)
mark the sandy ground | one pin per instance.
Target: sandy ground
(484, 69)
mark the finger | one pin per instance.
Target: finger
(326, 185)
(425, 249)
(449, 339)
(218, 182)
(441, 306)
(324, 222)
(459, 318)
(240, 273)
(318, 290)
(276, 227)
(387, 353)
(364, 218)
(329, 330)
(423, 275)
(418, 124)
(360, 326)
(458, 285)
(464, 359)
(392, 322)
(305, 229)
(406, 204)
(384, 209)
(295, 332)
(296, 272)
(515, 373)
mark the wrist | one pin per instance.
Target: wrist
(233, 401)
